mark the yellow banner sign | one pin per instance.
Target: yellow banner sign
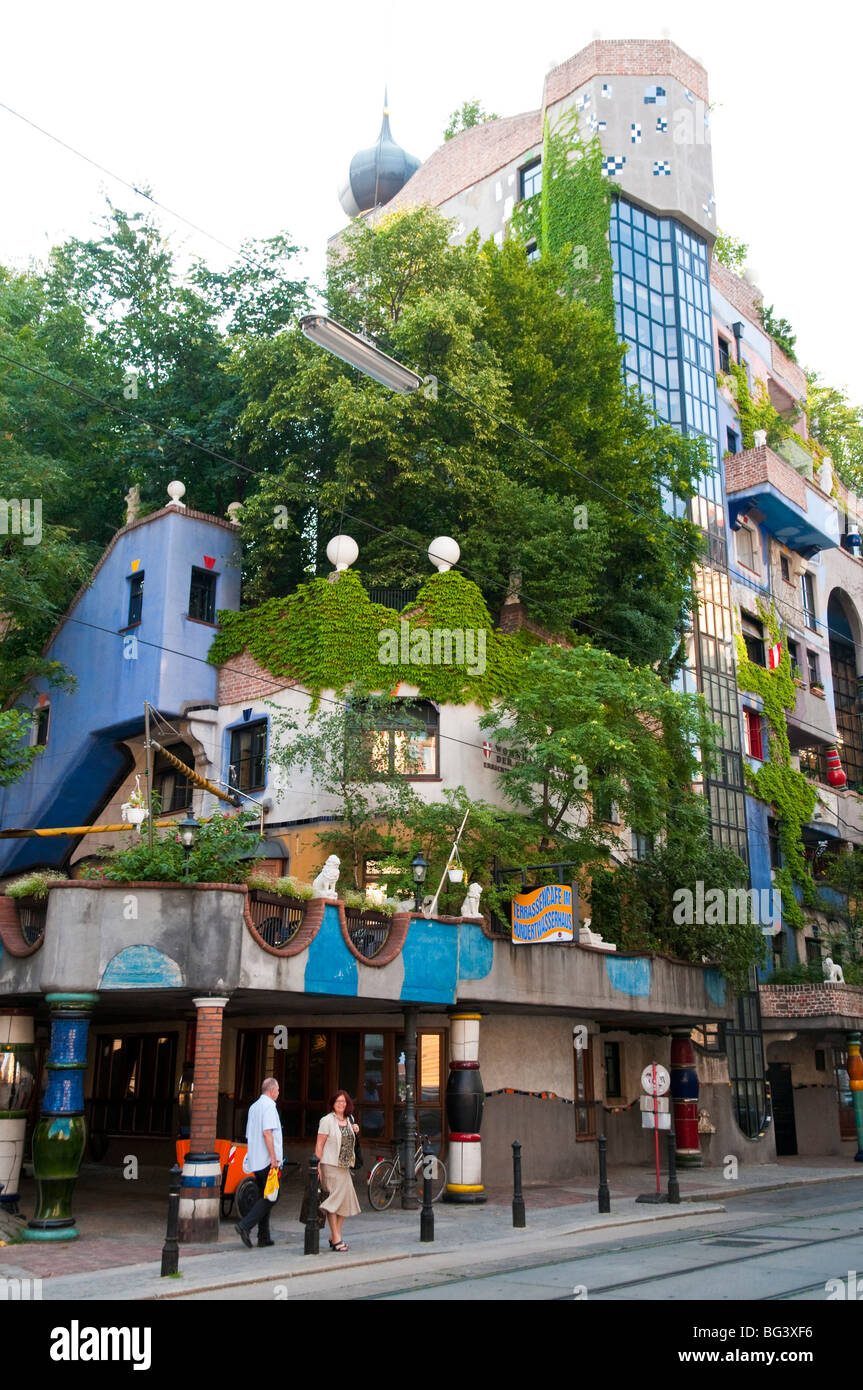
(543, 915)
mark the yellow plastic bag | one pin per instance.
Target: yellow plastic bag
(271, 1190)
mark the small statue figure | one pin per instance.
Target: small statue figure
(470, 906)
(325, 883)
(133, 503)
(833, 974)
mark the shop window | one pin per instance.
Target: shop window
(173, 789)
(314, 1064)
(249, 756)
(134, 1084)
(613, 1086)
(136, 599)
(202, 595)
(585, 1110)
(709, 1037)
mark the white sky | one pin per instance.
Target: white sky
(244, 118)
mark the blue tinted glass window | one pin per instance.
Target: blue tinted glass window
(639, 241)
(627, 290)
(654, 276)
(626, 264)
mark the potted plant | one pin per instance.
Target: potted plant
(134, 811)
(455, 870)
(817, 688)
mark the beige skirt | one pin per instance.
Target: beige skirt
(342, 1200)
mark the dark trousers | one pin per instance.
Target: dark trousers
(260, 1214)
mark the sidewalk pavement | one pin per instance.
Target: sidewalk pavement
(122, 1229)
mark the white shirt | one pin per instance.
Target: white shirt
(262, 1115)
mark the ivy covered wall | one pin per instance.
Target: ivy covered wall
(329, 636)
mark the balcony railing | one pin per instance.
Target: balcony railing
(276, 919)
(369, 931)
(31, 917)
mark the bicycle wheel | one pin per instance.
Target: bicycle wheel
(383, 1183)
(437, 1174)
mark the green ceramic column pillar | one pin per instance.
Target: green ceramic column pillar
(59, 1136)
(855, 1078)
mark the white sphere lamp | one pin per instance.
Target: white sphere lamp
(342, 551)
(444, 552)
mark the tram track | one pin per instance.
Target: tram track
(735, 1233)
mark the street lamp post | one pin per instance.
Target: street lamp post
(419, 868)
(360, 353)
(188, 829)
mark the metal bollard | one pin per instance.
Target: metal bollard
(673, 1185)
(171, 1249)
(312, 1241)
(518, 1216)
(427, 1215)
(603, 1196)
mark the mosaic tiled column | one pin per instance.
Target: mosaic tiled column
(59, 1136)
(684, 1097)
(464, 1102)
(201, 1179)
(17, 1080)
(855, 1078)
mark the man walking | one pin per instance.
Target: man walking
(264, 1140)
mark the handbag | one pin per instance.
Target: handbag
(271, 1187)
(358, 1153)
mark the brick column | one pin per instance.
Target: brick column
(201, 1180)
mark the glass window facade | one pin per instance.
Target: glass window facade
(662, 309)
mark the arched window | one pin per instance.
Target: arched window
(843, 666)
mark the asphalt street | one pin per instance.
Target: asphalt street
(768, 1246)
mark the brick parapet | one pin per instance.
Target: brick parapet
(243, 678)
(811, 1001)
(625, 58)
(761, 465)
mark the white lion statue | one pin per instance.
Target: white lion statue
(833, 974)
(325, 883)
(470, 906)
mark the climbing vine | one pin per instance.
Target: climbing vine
(776, 782)
(331, 636)
(757, 414)
(569, 218)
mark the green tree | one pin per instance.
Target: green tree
(730, 252)
(584, 729)
(780, 330)
(838, 427)
(469, 114)
(490, 833)
(845, 877)
(523, 419)
(16, 755)
(633, 904)
(342, 752)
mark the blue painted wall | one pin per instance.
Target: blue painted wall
(81, 758)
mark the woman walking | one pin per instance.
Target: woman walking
(335, 1154)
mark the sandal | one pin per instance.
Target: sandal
(340, 1246)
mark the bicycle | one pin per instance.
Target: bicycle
(387, 1177)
